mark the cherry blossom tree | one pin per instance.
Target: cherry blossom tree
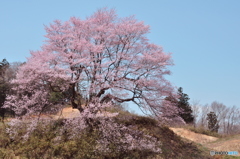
(104, 57)
(92, 62)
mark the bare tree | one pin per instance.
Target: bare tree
(232, 121)
(221, 112)
(11, 71)
(204, 110)
(195, 105)
(228, 117)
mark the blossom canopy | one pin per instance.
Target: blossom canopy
(103, 57)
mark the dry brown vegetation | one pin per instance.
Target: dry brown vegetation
(228, 143)
(195, 137)
(177, 142)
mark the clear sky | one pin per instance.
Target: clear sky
(203, 37)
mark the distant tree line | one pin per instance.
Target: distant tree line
(217, 117)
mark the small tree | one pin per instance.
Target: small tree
(183, 104)
(212, 122)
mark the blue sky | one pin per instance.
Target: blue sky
(203, 37)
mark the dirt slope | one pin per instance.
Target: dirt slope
(195, 137)
(213, 143)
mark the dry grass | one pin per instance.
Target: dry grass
(226, 144)
(229, 143)
(195, 137)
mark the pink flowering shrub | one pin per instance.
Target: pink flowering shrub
(170, 114)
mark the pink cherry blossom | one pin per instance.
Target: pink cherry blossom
(100, 59)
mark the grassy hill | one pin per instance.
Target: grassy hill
(43, 144)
